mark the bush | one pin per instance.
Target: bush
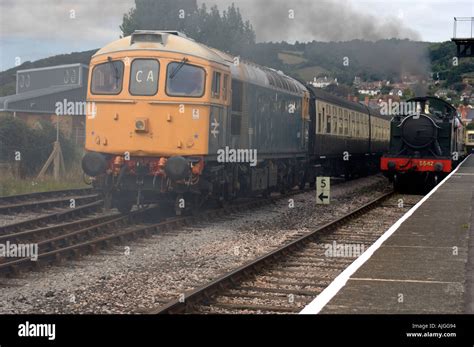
(33, 145)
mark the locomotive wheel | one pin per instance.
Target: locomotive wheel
(123, 201)
(124, 206)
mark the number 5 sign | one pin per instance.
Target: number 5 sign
(323, 188)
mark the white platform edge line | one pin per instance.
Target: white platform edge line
(315, 306)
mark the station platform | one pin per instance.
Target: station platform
(425, 266)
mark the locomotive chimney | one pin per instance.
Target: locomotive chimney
(366, 101)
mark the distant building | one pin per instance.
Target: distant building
(323, 82)
(371, 92)
(41, 92)
(467, 95)
(468, 79)
(357, 81)
(466, 113)
(396, 92)
(442, 93)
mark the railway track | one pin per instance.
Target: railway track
(288, 278)
(35, 210)
(72, 240)
(33, 202)
(53, 217)
(15, 199)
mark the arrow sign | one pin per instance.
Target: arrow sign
(323, 197)
(323, 189)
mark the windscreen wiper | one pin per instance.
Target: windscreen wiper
(116, 70)
(176, 70)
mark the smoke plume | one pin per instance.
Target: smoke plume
(320, 20)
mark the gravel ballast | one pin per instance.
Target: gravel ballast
(142, 274)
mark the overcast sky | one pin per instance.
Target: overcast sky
(35, 29)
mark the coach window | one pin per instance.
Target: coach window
(328, 124)
(216, 84)
(319, 123)
(360, 128)
(333, 123)
(351, 118)
(144, 77)
(346, 123)
(322, 121)
(184, 80)
(107, 78)
(341, 122)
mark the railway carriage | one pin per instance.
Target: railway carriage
(349, 137)
(469, 141)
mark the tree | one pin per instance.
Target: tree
(160, 15)
(408, 94)
(385, 90)
(227, 31)
(458, 86)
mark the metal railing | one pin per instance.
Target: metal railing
(463, 28)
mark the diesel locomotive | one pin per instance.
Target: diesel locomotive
(425, 145)
(179, 122)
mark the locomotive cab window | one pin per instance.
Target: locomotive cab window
(216, 84)
(184, 80)
(144, 77)
(107, 78)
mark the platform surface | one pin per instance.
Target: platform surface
(426, 266)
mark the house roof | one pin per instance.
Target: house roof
(41, 100)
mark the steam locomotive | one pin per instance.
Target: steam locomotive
(425, 145)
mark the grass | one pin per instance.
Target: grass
(308, 73)
(291, 58)
(11, 185)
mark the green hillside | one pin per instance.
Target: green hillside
(381, 60)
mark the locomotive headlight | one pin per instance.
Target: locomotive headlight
(141, 125)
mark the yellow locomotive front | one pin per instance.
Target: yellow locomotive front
(151, 96)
